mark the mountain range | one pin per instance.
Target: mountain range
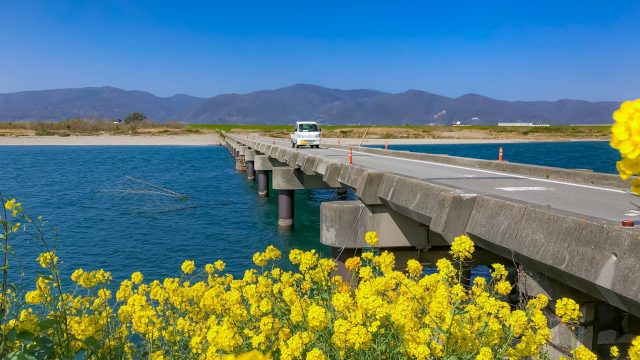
(298, 102)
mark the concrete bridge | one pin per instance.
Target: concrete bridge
(560, 229)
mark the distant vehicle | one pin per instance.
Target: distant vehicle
(306, 133)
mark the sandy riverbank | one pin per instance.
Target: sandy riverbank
(112, 140)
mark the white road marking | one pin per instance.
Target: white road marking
(491, 172)
(632, 213)
(524, 188)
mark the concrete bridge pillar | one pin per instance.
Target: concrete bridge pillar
(263, 183)
(234, 149)
(285, 208)
(286, 180)
(249, 156)
(240, 160)
(262, 166)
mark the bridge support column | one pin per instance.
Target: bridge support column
(263, 183)
(251, 174)
(286, 180)
(285, 208)
(249, 158)
(262, 166)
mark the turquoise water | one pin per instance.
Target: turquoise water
(594, 155)
(104, 221)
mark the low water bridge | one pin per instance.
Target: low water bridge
(561, 228)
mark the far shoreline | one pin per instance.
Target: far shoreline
(427, 141)
(211, 139)
(112, 140)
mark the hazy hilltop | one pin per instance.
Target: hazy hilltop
(298, 102)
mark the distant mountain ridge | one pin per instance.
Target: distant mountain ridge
(298, 102)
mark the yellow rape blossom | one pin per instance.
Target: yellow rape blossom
(582, 353)
(353, 263)
(462, 248)
(414, 268)
(48, 260)
(188, 266)
(14, 206)
(625, 137)
(219, 265)
(315, 354)
(371, 238)
(499, 272)
(137, 277)
(485, 353)
(317, 318)
(634, 350)
(567, 310)
(503, 287)
(614, 351)
(300, 313)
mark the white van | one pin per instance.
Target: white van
(306, 133)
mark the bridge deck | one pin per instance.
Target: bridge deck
(597, 201)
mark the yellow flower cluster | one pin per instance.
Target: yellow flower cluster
(634, 350)
(306, 313)
(14, 206)
(462, 248)
(567, 310)
(582, 353)
(188, 266)
(371, 238)
(48, 260)
(626, 139)
(614, 352)
(262, 258)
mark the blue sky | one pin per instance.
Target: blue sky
(514, 50)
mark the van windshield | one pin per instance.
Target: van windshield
(307, 127)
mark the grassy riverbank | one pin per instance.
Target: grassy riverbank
(92, 127)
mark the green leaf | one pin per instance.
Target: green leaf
(43, 347)
(46, 277)
(19, 355)
(92, 343)
(25, 335)
(11, 335)
(49, 323)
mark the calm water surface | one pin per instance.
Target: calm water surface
(594, 155)
(104, 221)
